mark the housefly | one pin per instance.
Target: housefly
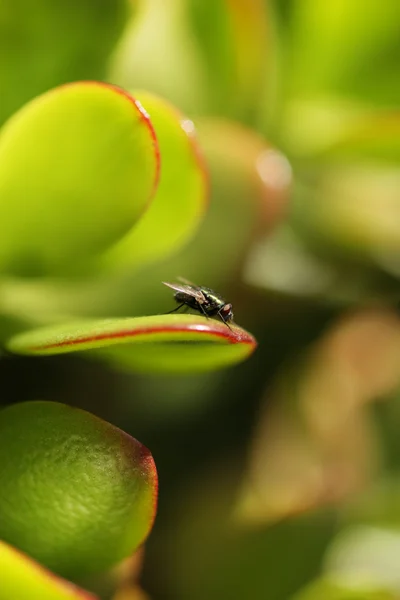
(202, 299)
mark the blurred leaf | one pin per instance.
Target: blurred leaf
(176, 343)
(131, 592)
(249, 182)
(316, 445)
(203, 65)
(236, 51)
(214, 556)
(352, 211)
(378, 507)
(327, 589)
(346, 48)
(285, 263)
(180, 199)
(372, 136)
(327, 128)
(121, 579)
(366, 556)
(86, 490)
(50, 43)
(77, 168)
(24, 579)
(157, 52)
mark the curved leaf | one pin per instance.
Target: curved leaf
(78, 166)
(86, 490)
(235, 47)
(157, 52)
(48, 43)
(203, 65)
(180, 198)
(334, 50)
(250, 186)
(22, 578)
(176, 343)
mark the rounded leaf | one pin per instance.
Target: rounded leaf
(180, 198)
(172, 343)
(22, 578)
(76, 493)
(78, 166)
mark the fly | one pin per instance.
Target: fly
(202, 299)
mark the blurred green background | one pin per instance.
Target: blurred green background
(279, 478)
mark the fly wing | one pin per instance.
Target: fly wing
(190, 290)
(186, 281)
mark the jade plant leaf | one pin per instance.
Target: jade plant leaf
(78, 166)
(172, 343)
(220, 62)
(22, 578)
(48, 43)
(327, 589)
(76, 493)
(358, 216)
(157, 52)
(250, 182)
(235, 50)
(373, 136)
(338, 52)
(180, 198)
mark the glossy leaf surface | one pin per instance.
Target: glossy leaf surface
(177, 343)
(180, 199)
(78, 167)
(76, 493)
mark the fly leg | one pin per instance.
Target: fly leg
(223, 320)
(203, 311)
(175, 309)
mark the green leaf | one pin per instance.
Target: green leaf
(86, 490)
(173, 343)
(49, 43)
(366, 554)
(157, 52)
(352, 211)
(286, 263)
(180, 199)
(326, 589)
(372, 136)
(78, 166)
(250, 182)
(24, 579)
(346, 48)
(236, 50)
(203, 65)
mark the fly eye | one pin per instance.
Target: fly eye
(227, 308)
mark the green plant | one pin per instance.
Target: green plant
(104, 189)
